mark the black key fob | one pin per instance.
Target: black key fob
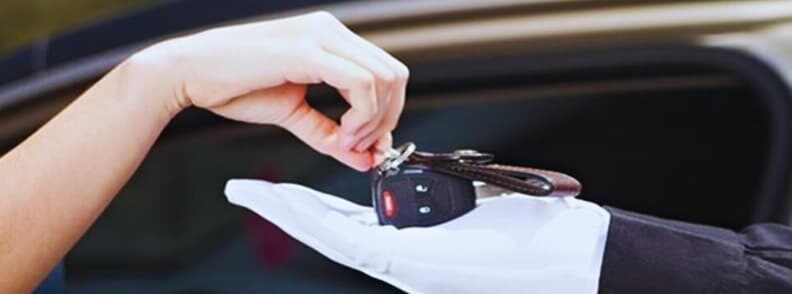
(414, 196)
(421, 189)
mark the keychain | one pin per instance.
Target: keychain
(419, 189)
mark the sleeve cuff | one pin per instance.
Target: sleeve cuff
(650, 255)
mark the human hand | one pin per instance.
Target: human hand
(508, 244)
(258, 73)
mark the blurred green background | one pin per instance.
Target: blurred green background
(22, 22)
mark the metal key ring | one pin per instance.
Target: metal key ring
(404, 151)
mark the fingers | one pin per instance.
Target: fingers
(262, 197)
(383, 80)
(322, 134)
(386, 125)
(313, 48)
(376, 103)
(332, 232)
(390, 78)
(302, 215)
(355, 83)
(293, 113)
(383, 144)
(335, 203)
(396, 96)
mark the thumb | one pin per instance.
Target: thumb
(323, 134)
(286, 106)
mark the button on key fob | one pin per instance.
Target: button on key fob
(413, 196)
(418, 189)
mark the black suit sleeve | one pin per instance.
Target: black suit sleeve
(648, 255)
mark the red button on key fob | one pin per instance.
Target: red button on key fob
(413, 196)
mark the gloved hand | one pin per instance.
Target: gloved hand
(509, 244)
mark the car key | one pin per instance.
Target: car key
(407, 195)
(418, 189)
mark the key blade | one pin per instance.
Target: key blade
(395, 157)
(389, 153)
(484, 190)
(380, 156)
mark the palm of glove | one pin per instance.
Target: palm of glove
(509, 244)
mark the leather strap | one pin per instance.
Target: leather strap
(520, 179)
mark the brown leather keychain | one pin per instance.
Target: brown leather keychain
(414, 188)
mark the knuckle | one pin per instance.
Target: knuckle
(291, 118)
(387, 77)
(324, 17)
(369, 111)
(365, 82)
(317, 23)
(402, 72)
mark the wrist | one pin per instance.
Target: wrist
(152, 75)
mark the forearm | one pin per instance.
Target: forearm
(56, 183)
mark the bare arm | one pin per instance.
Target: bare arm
(57, 182)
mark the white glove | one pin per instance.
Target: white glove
(509, 244)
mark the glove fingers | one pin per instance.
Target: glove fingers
(255, 195)
(247, 190)
(335, 231)
(305, 215)
(336, 203)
